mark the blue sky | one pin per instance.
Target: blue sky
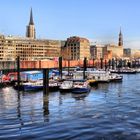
(97, 20)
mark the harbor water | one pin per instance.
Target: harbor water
(111, 111)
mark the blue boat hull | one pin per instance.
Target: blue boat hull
(80, 90)
(32, 88)
(35, 88)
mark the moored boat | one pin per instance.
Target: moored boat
(53, 85)
(92, 82)
(80, 86)
(99, 76)
(66, 86)
(37, 85)
(115, 77)
(124, 71)
(30, 86)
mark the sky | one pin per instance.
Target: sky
(97, 20)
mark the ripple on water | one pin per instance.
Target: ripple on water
(108, 112)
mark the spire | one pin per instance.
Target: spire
(31, 18)
(120, 38)
(30, 29)
(120, 32)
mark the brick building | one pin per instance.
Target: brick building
(76, 48)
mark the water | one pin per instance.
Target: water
(109, 112)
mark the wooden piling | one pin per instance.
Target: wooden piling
(18, 72)
(105, 65)
(84, 67)
(109, 63)
(116, 63)
(93, 63)
(124, 63)
(113, 63)
(46, 105)
(68, 67)
(45, 81)
(121, 63)
(101, 62)
(60, 66)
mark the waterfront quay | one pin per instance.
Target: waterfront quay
(60, 64)
(15, 67)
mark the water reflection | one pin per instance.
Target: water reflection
(109, 111)
(80, 96)
(46, 107)
(19, 110)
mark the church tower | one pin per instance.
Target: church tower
(30, 31)
(120, 39)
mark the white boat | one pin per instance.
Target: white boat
(124, 71)
(30, 85)
(66, 86)
(99, 76)
(37, 85)
(115, 77)
(137, 70)
(80, 86)
(53, 85)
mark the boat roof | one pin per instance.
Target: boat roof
(31, 72)
(79, 80)
(76, 80)
(94, 72)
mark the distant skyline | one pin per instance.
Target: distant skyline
(97, 20)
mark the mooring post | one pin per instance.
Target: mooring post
(93, 63)
(105, 65)
(121, 63)
(116, 63)
(68, 67)
(101, 62)
(60, 66)
(109, 63)
(84, 67)
(135, 63)
(124, 62)
(46, 105)
(18, 72)
(46, 81)
(113, 63)
(129, 64)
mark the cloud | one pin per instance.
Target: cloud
(133, 43)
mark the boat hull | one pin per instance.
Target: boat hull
(53, 88)
(35, 88)
(80, 90)
(116, 80)
(32, 88)
(65, 90)
(124, 72)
